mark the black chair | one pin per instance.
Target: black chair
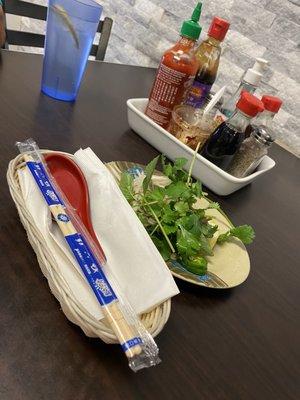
(36, 11)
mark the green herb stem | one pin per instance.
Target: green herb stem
(151, 203)
(154, 230)
(162, 229)
(192, 165)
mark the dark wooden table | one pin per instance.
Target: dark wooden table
(234, 344)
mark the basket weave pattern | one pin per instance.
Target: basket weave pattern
(154, 320)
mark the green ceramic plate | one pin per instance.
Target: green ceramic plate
(230, 264)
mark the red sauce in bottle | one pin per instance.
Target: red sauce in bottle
(176, 73)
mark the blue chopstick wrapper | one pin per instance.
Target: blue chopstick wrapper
(41, 177)
(131, 343)
(90, 266)
(91, 269)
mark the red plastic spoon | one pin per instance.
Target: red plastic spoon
(73, 185)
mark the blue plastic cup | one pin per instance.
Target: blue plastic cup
(71, 28)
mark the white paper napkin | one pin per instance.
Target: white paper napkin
(132, 257)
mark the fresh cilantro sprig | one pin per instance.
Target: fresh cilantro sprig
(244, 232)
(178, 229)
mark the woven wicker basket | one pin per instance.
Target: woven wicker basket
(154, 320)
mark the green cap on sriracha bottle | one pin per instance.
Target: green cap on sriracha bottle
(191, 28)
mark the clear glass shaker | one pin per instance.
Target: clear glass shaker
(255, 147)
(250, 153)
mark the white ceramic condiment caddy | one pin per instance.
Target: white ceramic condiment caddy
(217, 180)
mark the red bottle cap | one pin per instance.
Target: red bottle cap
(249, 104)
(218, 28)
(271, 103)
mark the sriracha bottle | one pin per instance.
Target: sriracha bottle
(176, 73)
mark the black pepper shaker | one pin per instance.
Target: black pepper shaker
(255, 147)
(250, 154)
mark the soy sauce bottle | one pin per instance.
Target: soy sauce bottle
(227, 138)
(208, 56)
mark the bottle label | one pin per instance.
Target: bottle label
(197, 94)
(169, 89)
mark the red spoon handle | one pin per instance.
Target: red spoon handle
(72, 183)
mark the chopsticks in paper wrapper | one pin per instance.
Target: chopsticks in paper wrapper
(135, 340)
